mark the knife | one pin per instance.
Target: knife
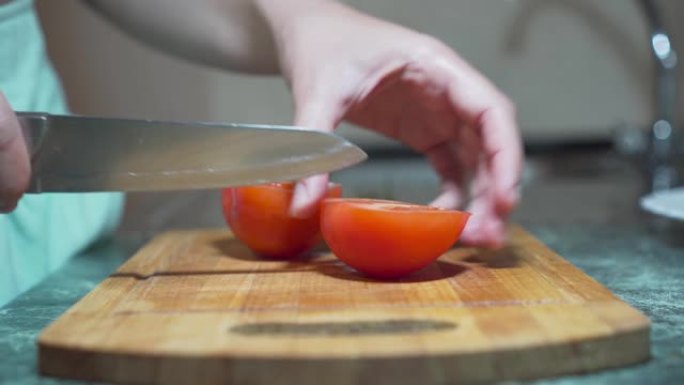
(79, 154)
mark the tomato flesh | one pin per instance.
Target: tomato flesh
(387, 239)
(259, 217)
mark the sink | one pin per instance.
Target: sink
(668, 203)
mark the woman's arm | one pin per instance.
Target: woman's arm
(344, 65)
(228, 34)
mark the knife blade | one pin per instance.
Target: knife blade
(80, 154)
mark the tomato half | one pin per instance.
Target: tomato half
(388, 239)
(258, 216)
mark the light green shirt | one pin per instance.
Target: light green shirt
(46, 229)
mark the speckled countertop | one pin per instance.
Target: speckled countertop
(595, 227)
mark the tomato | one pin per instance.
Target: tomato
(258, 216)
(388, 239)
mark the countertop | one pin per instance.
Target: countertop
(588, 218)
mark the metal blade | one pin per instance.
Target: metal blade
(71, 154)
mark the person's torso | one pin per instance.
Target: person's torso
(45, 229)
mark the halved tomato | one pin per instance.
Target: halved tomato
(388, 239)
(258, 216)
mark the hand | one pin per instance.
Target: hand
(343, 65)
(15, 168)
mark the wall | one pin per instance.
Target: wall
(577, 69)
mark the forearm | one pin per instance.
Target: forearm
(230, 34)
(288, 18)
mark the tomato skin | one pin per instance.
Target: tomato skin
(259, 217)
(387, 239)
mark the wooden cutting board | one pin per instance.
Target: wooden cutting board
(197, 307)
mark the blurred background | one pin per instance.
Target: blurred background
(580, 71)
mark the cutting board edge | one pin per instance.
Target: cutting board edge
(597, 355)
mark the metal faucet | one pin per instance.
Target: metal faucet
(661, 146)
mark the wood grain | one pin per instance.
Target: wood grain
(197, 307)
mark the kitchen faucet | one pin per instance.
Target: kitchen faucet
(659, 146)
(661, 137)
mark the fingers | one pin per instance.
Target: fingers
(504, 156)
(454, 161)
(484, 230)
(495, 189)
(315, 113)
(451, 196)
(14, 159)
(308, 192)
(445, 162)
(482, 106)
(486, 227)
(494, 192)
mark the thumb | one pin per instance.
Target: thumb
(319, 116)
(15, 168)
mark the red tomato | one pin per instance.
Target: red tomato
(258, 216)
(387, 239)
